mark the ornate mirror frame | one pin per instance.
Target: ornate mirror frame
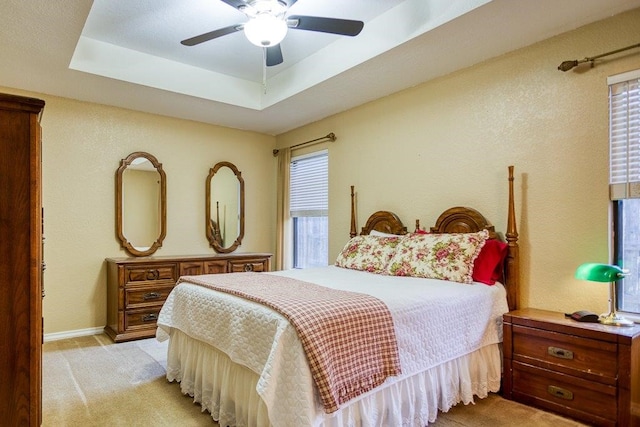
(124, 242)
(213, 231)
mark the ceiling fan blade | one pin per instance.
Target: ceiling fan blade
(274, 55)
(211, 35)
(345, 27)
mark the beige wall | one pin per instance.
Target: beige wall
(449, 141)
(83, 144)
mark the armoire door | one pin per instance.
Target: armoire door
(20, 262)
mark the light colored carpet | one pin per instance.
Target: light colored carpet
(90, 381)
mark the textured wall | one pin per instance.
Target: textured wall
(449, 141)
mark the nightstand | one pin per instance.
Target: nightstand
(586, 371)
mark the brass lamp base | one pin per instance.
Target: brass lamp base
(614, 319)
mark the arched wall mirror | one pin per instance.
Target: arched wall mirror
(225, 207)
(141, 204)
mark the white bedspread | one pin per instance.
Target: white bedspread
(435, 322)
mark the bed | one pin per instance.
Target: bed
(247, 365)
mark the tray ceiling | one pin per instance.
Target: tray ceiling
(128, 53)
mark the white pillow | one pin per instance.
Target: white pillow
(381, 234)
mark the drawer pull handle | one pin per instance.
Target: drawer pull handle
(151, 295)
(560, 392)
(153, 274)
(560, 353)
(248, 267)
(149, 317)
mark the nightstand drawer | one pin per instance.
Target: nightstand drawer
(151, 273)
(144, 297)
(539, 347)
(587, 400)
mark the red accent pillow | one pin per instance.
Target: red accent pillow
(487, 268)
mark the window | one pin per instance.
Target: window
(624, 179)
(309, 207)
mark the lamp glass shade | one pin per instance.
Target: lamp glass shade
(265, 30)
(595, 272)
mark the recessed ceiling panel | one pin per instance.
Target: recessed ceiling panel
(139, 42)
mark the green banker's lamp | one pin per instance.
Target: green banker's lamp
(605, 273)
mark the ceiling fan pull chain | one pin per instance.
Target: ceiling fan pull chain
(264, 70)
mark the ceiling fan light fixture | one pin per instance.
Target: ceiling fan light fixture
(268, 23)
(255, 7)
(265, 30)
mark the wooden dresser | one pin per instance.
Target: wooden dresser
(586, 371)
(137, 287)
(21, 265)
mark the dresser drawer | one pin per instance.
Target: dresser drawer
(215, 267)
(144, 297)
(566, 353)
(204, 267)
(141, 319)
(590, 401)
(150, 273)
(194, 268)
(237, 266)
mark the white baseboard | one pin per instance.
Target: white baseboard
(55, 336)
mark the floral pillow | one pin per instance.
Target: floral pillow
(368, 253)
(438, 256)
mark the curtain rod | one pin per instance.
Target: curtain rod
(331, 136)
(568, 65)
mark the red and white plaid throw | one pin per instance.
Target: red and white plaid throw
(348, 337)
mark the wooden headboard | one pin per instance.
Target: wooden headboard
(385, 222)
(459, 220)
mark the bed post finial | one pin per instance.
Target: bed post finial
(353, 231)
(513, 256)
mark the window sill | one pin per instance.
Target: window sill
(635, 317)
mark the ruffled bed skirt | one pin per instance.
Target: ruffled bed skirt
(228, 390)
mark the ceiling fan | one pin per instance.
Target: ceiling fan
(268, 24)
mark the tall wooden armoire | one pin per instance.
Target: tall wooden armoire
(21, 265)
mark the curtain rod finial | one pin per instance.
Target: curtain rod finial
(567, 65)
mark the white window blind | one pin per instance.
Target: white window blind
(309, 189)
(624, 135)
